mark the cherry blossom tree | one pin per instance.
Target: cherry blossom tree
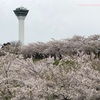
(74, 77)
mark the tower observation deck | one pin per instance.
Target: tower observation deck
(21, 13)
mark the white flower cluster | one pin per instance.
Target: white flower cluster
(70, 79)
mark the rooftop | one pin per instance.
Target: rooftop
(21, 8)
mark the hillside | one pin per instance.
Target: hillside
(57, 70)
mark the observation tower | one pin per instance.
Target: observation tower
(21, 14)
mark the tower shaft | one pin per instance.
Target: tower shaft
(21, 29)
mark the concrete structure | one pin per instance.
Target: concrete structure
(21, 13)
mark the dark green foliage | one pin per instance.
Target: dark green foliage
(6, 94)
(69, 62)
(35, 60)
(56, 62)
(51, 97)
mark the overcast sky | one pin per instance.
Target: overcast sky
(58, 19)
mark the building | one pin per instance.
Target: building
(21, 14)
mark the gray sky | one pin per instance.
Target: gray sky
(58, 19)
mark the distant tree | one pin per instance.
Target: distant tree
(12, 47)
